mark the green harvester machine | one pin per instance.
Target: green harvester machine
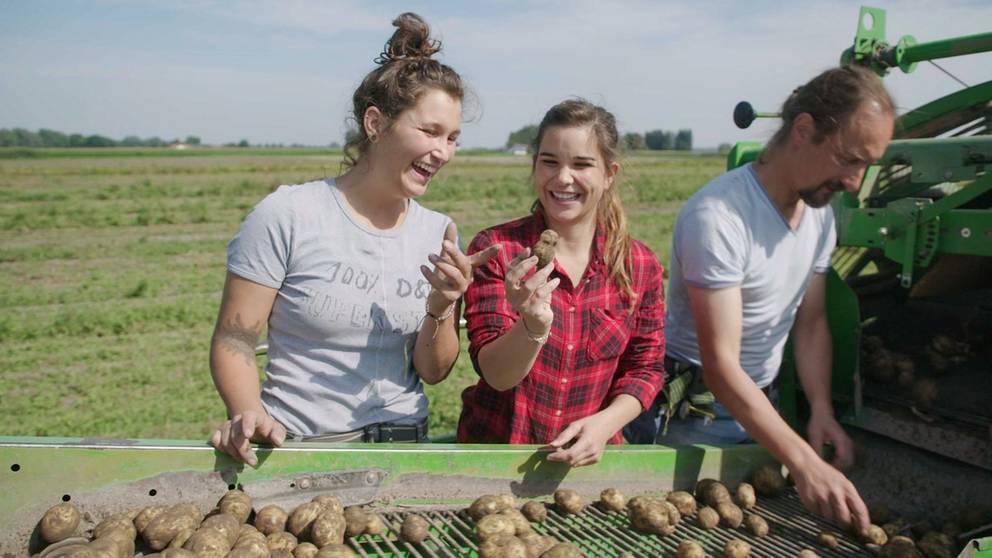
(912, 267)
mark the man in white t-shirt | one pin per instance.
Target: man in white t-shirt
(749, 255)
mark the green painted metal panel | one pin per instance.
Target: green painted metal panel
(743, 152)
(45, 469)
(112, 476)
(941, 159)
(914, 230)
(935, 116)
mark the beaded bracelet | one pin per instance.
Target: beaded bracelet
(539, 339)
(437, 319)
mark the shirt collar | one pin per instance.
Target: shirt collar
(597, 261)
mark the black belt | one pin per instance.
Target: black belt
(389, 432)
(675, 367)
(373, 433)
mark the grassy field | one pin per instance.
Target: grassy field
(113, 268)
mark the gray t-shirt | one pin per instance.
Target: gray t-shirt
(350, 303)
(730, 234)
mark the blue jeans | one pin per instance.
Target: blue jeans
(722, 430)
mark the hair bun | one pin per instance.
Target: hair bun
(412, 39)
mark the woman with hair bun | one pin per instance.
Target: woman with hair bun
(570, 352)
(358, 284)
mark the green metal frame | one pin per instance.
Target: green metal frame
(36, 473)
(36, 468)
(945, 113)
(913, 230)
(870, 48)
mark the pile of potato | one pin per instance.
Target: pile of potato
(503, 531)
(318, 528)
(923, 538)
(314, 529)
(887, 366)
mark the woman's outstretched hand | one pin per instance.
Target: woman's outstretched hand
(452, 271)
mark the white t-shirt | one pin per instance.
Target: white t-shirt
(730, 234)
(350, 303)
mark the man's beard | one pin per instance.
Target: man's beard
(821, 195)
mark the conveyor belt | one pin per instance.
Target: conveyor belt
(602, 534)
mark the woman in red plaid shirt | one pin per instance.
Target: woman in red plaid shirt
(570, 353)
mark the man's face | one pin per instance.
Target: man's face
(838, 163)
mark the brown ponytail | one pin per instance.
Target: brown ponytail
(406, 70)
(831, 98)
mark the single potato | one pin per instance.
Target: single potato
(178, 518)
(745, 497)
(329, 503)
(494, 525)
(756, 525)
(534, 511)
(328, 528)
(545, 248)
(281, 541)
(690, 549)
(357, 518)
(271, 519)
(736, 548)
(768, 480)
(708, 518)
(236, 503)
(59, 522)
(414, 529)
(305, 550)
(612, 500)
(485, 505)
(828, 540)
(683, 501)
(226, 524)
(569, 501)
(302, 517)
(730, 515)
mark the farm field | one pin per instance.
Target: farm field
(113, 264)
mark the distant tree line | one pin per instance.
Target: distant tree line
(659, 140)
(524, 136)
(20, 137)
(655, 139)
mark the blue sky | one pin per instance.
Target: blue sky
(285, 71)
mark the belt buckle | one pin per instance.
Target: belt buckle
(397, 433)
(388, 432)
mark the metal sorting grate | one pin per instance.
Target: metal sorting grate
(607, 534)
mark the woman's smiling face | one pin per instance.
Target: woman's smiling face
(570, 174)
(421, 140)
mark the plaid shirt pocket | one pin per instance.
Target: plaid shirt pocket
(609, 333)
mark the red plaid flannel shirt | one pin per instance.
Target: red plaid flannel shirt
(597, 348)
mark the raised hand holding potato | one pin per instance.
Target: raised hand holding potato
(531, 298)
